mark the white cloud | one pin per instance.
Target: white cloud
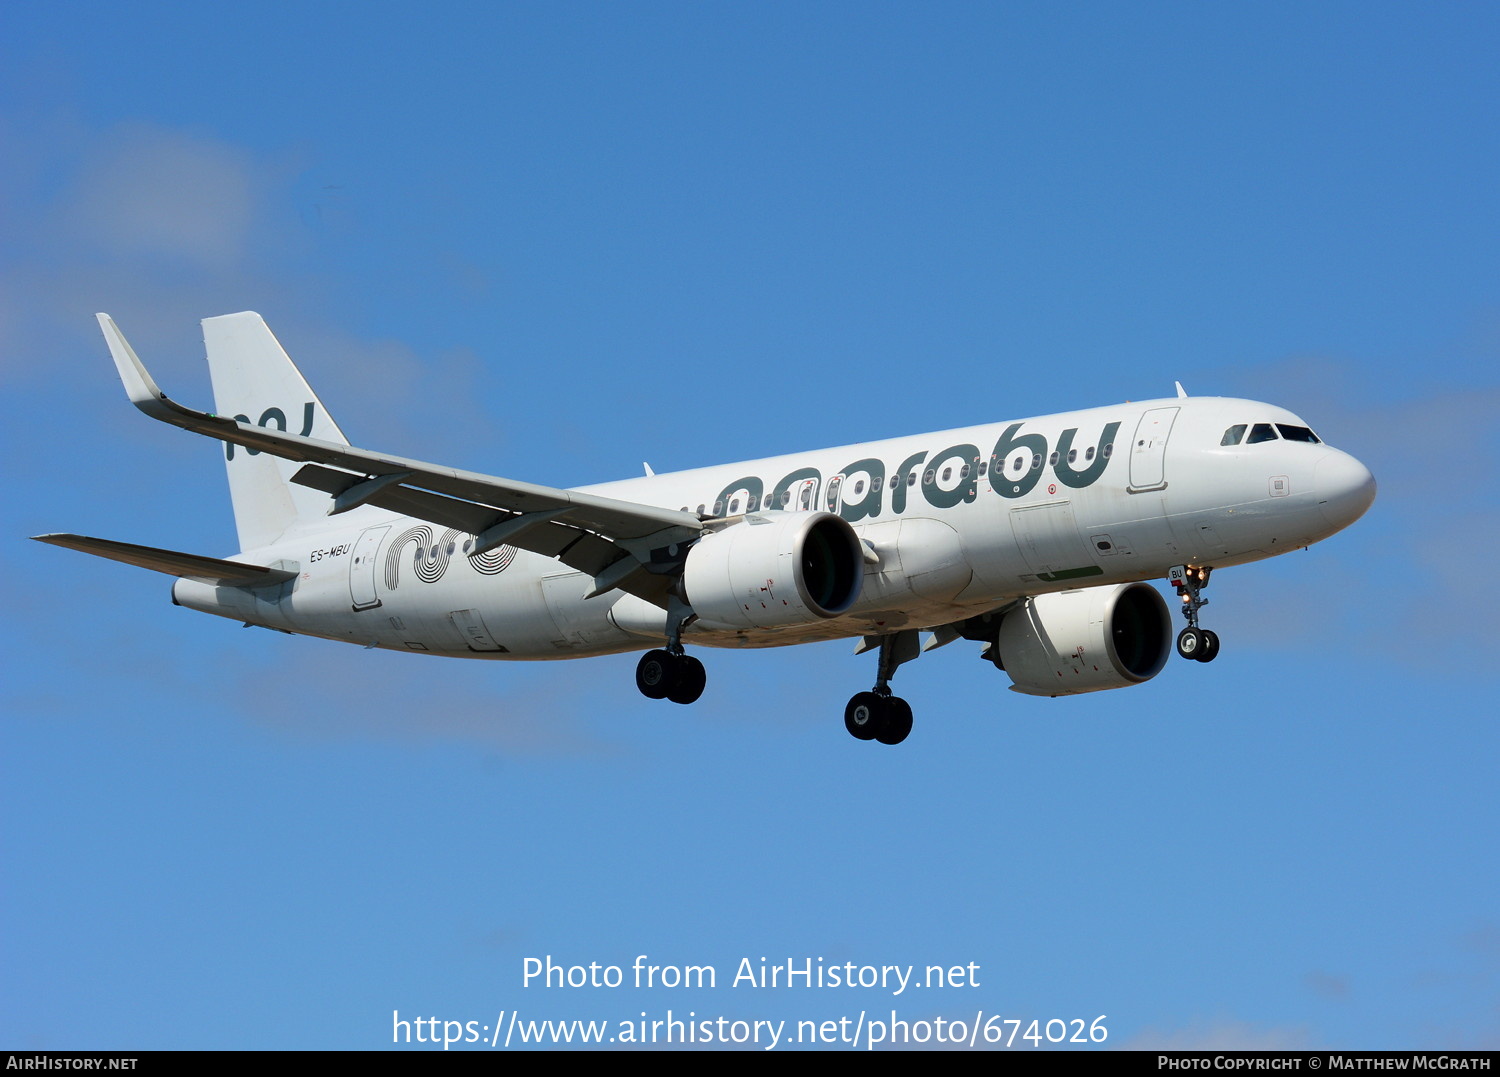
(159, 226)
(148, 191)
(164, 227)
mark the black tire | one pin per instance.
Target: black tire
(897, 724)
(864, 715)
(689, 682)
(656, 673)
(1210, 649)
(1190, 643)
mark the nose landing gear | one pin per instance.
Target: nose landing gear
(1198, 644)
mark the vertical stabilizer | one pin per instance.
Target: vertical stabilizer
(255, 381)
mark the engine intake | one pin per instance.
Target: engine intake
(1085, 641)
(774, 570)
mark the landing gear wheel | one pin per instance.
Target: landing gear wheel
(1210, 649)
(897, 724)
(655, 674)
(1190, 643)
(690, 677)
(862, 716)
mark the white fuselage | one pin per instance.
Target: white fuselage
(955, 523)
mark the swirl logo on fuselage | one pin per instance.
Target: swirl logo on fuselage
(431, 555)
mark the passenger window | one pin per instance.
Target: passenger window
(947, 473)
(875, 484)
(1054, 458)
(1234, 435)
(1109, 449)
(1260, 432)
(984, 466)
(786, 497)
(1072, 456)
(927, 478)
(700, 510)
(718, 508)
(911, 478)
(859, 487)
(1297, 433)
(1090, 454)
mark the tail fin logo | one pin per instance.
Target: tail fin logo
(272, 417)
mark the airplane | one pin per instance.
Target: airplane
(1031, 536)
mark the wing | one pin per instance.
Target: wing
(620, 543)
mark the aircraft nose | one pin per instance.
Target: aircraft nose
(1345, 488)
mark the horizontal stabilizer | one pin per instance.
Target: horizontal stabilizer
(189, 566)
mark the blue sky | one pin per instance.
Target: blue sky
(550, 242)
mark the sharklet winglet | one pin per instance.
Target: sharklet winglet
(141, 387)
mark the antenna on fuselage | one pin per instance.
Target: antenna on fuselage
(1181, 392)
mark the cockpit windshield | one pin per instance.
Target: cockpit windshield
(1268, 432)
(1297, 433)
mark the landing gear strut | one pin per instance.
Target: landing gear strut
(878, 715)
(671, 674)
(1199, 644)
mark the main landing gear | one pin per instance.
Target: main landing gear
(671, 674)
(668, 673)
(665, 675)
(878, 715)
(1198, 644)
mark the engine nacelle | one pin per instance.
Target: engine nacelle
(1085, 641)
(775, 569)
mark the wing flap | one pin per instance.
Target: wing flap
(445, 511)
(575, 547)
(550, 539)
(189, 566)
